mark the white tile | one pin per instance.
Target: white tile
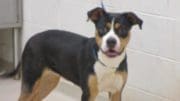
(156, 37)
(134, 94)
(136, 41)
(149, 37)
(41, 12)
(31, 29)
(74, 18)
(177, 71)
(127, 5)
(176, 40)
(177, 50)
(174, 6)
(155, 7)
(153, 74)
(166, 40)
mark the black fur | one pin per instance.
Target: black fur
(64, 52)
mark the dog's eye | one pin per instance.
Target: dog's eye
(122, 32)
(117, 26)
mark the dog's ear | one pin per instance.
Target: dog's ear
(95, 14)
(133, 19)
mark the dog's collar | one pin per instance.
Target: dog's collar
(97, 59)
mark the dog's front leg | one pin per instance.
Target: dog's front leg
(85, 96)
(116, 96)
(90, 91)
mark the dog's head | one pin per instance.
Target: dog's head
(113, 30)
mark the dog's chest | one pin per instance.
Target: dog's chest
(108, 79)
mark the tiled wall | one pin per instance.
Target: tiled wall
(153, 53)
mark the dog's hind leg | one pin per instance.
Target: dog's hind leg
(48, 82)
(42, 87)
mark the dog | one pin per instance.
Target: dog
(97, 64)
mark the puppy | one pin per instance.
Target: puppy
(95, 64)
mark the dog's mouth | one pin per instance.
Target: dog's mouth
(111, 53)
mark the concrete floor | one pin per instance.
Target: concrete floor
(65, 91)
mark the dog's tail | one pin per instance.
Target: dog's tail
(11, 73)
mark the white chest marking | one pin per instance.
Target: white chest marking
(108, 79)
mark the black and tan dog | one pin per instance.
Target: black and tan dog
(94, 64)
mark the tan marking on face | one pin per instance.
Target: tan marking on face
(108, 25)
(43, 86)
(124, 42)
(117, 26)
(98, 39)
(93, 87)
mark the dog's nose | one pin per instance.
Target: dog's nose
(111, 42)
